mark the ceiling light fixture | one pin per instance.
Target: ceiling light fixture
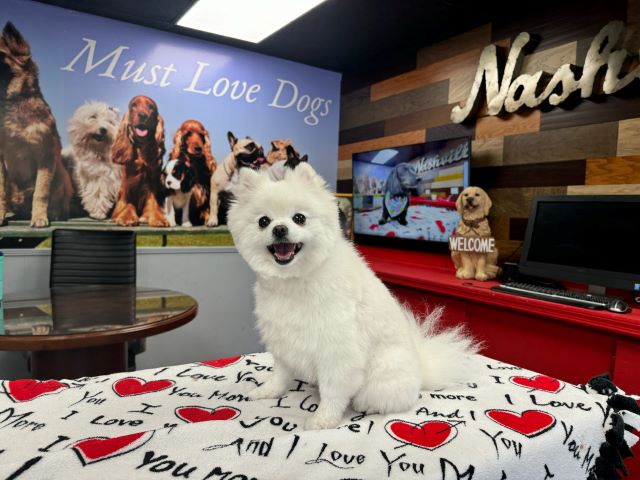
(249, 20)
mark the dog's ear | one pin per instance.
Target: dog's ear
(248, 181)
(231, 139)
(273, 145)
(210, 160)
(177, 144)
(487, 202)
(304, 158)
(291, 153)
(459, 203)
(188, 181)
(159, 137)
(15, 42)
(122, 150)
(306, 173)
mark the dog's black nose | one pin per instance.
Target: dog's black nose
(102, 131)
(198, 149)
(280, 231)
(469, 200)
(142, 117)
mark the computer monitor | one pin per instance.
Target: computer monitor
(584, 239)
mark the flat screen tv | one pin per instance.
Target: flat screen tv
(407, 195)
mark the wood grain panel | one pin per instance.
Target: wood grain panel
(477, 38)
(509, 250)
(531, 175)
(355, 98)
(344, 186)
(609, 108)
(512, 124)
(515, 202)
(364, 132)
(428, 118)
(632, 38)
(612, 171)
(432, 73)
(551, 59)
(407, 138)
(499, 226)
(562, 23)
(517, 228)
(489, 152)
(344, 170)
(413, 101)
(626, 189)
(451, 130)
(629, 137)
(561, 144)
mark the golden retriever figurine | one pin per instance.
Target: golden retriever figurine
(473, 205)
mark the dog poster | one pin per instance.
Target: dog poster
(117, 124)
(410, 192)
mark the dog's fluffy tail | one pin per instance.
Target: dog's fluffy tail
(445, 355)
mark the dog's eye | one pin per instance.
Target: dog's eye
(466, 194)
(264, 222)
(93, 117)
(299, 218)
(477, 194)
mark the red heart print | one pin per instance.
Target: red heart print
(126, 387)
(539, 382)
(195, 414)
(529, 423)
(28, 389)
(91, 450)
(429, 435)
(222, 362)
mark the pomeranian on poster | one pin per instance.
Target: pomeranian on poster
(324, 315)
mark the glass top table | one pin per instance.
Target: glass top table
(89, 319)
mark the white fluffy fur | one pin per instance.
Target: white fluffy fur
(96, 177)
(326, 317)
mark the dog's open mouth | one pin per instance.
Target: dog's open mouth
(283, 252)
(141, 131)
(99, 137)
(470, 206)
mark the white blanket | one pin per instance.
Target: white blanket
(195, 421)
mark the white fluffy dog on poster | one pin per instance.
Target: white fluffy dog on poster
(323, 314)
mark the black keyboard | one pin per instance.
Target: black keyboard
(567, 297)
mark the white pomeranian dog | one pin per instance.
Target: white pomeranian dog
(323, 314)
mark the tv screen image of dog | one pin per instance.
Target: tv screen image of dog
(410, 192)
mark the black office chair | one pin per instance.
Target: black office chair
(93, 257)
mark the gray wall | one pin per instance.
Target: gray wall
(216, 277)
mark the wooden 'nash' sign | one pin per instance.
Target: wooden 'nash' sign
(510, 92)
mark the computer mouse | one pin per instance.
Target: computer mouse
(618, 306)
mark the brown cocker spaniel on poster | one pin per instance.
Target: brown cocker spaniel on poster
(192, 145)
(139, 147)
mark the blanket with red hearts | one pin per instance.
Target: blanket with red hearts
(195, 421)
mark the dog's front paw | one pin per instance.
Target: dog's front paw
(320, 421)
(464, 274)
(264, 392)
(482, 276)
(158, 221)
(212, 222)
(39, 221)
(98, 216)
(187, 224)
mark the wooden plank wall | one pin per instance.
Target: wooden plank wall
(593, 147)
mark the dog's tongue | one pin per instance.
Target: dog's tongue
(284, 251)
(141, 132)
